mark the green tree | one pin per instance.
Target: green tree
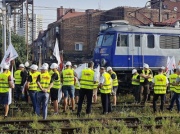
(19, 44)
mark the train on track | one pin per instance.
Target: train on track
(124, 47)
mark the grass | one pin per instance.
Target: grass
(105, 126)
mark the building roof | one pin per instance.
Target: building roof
(74, 14)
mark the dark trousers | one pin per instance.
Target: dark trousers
(144, 92)
(18, 92)
(106, 104)
(136, 93)
(155, 98)
(176, 97)
(33, 97)
(88, 93)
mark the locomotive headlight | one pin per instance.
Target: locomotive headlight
(103, 62)
(103, 27)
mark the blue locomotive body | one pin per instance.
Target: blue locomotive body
(124, 46)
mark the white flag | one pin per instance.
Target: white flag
(167, 64)
(172, 64)
(97, 73)
(10, 54)
(56, 52)
(79, 69)
(10, 90)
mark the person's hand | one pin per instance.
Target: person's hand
(44, 90)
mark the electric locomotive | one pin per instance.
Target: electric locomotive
(124, 47)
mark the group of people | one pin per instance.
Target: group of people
(160, 84)
(44, 85)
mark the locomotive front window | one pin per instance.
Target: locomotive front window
(108, 40)
(99, 40)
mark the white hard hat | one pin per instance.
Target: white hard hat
(54, 65)
(134, 71)
(146, 65)
(21, 65)
(44, 67)
(34, 67)
(68, 63)
(46, 64)
(75, 66)
(163, 68)
(5, 66)
(26, 64)
(109, 68)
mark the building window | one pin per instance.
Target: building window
(137, 40)
(166, 16)
(169, 42)
(150, 41)
(78, 46)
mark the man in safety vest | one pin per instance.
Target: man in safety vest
(105, 87)
(5, 85)
(160, 83)
(20, 79)
(67, 79)
(32, 85)
(145, 79)
(136, 85)
(87, 81)
(44, 83)
(56, 86)
(114, 84)
(175, 87)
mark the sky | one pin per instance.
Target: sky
(47, 8)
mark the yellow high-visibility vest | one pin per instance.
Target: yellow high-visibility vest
(147, 72)
(68, 77)
(115, 81)
(51, 72)
(17, 76)
(87, 79)
(172, 79)
(107, 85)
(4, 84)
(45, 79)
(134, 78)
(57, 83)
(160, 84)
(77, 84)
(33, 85)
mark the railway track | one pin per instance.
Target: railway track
(24, 126)
(71, 130)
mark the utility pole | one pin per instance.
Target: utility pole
(27, 21)
(32, 21)
(14, 20)
(4, 25)
(160, 10)
(9, 21)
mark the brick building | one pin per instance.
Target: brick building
(77, 31)
(173, 5)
